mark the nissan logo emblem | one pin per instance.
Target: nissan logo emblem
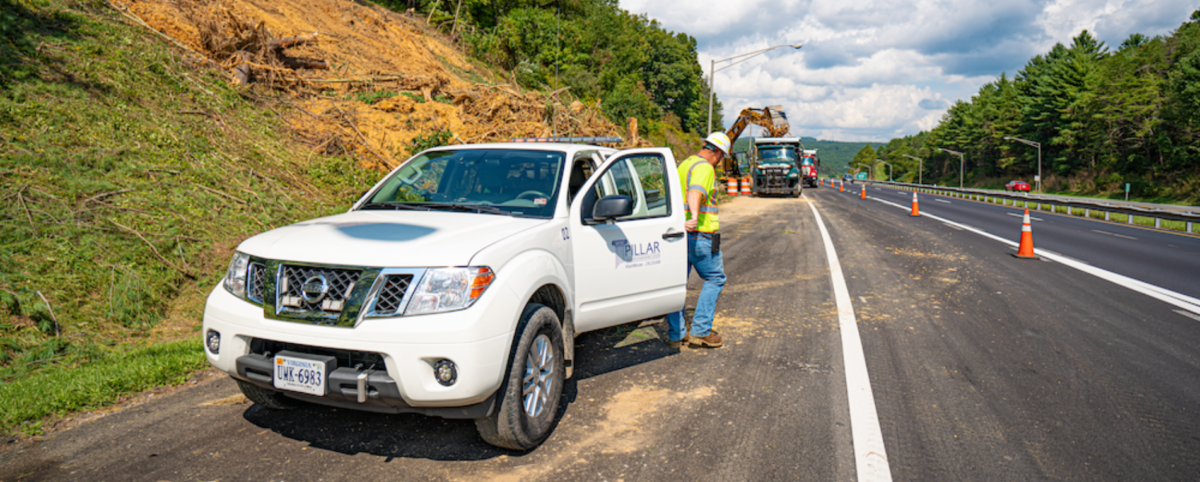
(314, 289)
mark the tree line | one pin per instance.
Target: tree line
(626, 64)
(1103, 118)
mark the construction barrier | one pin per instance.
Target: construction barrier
(731, 185)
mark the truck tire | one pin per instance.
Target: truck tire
(799, 188)
(265, 398)
(527, 402)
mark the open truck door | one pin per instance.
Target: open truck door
(629, 246)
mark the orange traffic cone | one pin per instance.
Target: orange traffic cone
(863, 193)
(915, 210)
(841, 187)
(1025, 250)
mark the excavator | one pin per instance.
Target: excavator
(772, 118)
(780, 174)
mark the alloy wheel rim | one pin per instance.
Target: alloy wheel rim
(539, 370)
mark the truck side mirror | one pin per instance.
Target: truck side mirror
(612, 207)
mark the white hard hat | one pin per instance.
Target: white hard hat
(720, 141)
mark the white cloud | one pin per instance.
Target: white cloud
(873, 70)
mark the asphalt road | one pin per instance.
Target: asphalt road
(983, 367)
(1163, 258)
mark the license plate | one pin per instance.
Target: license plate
(300, 375)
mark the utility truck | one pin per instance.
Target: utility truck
(809, 165)
(455, 286)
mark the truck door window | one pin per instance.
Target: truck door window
(581, 170)
(640, 178)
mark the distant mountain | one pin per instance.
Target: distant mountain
(835, 155)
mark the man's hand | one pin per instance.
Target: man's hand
(690, 225)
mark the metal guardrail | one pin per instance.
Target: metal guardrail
(1108, 209)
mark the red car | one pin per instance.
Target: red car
(1017, 186)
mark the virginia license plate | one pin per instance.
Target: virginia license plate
(300, 375)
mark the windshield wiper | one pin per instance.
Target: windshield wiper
(480, 209)
(395, 206)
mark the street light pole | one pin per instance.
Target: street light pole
(961, 163)
(889, 165)
(712, 72)
(1038, 145)
(920, 167)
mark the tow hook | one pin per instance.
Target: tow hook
(361, 378)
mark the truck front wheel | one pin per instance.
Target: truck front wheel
(528, 398)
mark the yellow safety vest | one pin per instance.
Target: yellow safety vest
(696, 174)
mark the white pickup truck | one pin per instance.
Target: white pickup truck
(456, 285)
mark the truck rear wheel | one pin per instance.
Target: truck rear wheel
(527, 401)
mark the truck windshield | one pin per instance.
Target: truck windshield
(500, 181)
(775, 154)
(806, 161)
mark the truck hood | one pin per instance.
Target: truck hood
(387, 238)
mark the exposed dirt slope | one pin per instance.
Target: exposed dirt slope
(370, 51)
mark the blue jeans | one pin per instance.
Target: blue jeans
(712, 271)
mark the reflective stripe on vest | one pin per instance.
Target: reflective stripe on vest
(709, 209)
(689, 177)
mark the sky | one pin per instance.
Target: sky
(877, 70)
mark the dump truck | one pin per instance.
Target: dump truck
(772, 118)
(775, 166)
(809, 165)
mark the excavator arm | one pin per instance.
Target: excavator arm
(771, 118)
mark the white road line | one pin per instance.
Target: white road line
(1023, 216)
(942, 200)
(1171, 297)
(1189, 315)
(1114, 234)
(870, 459)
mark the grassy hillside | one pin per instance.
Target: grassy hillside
(129, 173)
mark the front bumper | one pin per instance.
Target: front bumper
(477, 340)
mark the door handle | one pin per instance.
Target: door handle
(675, 235)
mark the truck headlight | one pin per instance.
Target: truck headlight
(235, 277)
(449, 289)
(792, 175)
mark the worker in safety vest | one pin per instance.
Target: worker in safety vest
(699, 177)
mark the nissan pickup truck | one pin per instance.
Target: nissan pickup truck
(455, 287)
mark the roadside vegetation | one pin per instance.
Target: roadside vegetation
(601, 55)
(128, 174)
(1104, 117)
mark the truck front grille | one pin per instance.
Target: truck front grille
(255, 281)
(339, 283)
(345, 358)
(391, 296)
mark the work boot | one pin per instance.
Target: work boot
(713, 340)
(676, 345)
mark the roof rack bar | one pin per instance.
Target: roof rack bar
(575, 140)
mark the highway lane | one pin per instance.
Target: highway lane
(983, 367)
(1167, 259)
(986, 367)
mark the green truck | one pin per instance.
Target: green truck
(775, 166)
